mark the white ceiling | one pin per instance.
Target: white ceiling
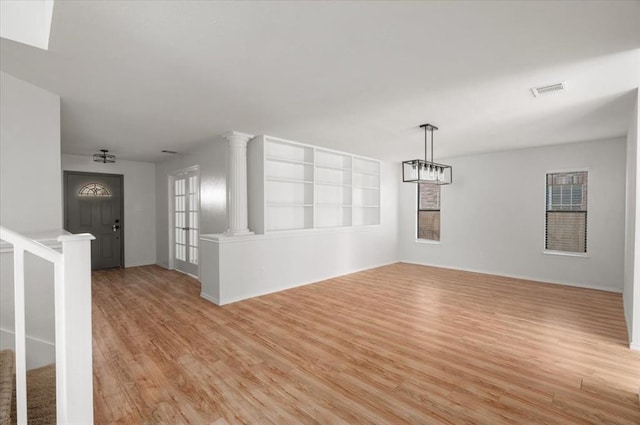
(139, 77)
(28, 22)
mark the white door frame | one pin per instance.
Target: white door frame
(171, 178)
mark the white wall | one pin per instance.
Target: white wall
(631, 292)
(30, 177)
(39, 308)
(493, 216)
(236, 268)
(30, 202)
(139, 203)
(211, 157)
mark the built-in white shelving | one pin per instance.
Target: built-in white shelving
(366, 192)
(293, 186)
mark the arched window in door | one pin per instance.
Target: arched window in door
(94, 190)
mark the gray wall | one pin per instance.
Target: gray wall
(632, 240)
(139, 203)
(30, 181)
(211, 157)
(493, 215)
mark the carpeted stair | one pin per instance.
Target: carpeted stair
(41, 390)
(7, 374)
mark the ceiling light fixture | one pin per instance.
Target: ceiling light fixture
(104, 157)
(425, 171)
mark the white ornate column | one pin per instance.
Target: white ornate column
(237, 208)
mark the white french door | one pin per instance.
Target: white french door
(186, 222)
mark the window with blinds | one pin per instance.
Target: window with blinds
(566, 212)
(429, 211)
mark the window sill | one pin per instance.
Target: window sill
(428, 242)
(566, 254)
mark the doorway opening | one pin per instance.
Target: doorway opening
(184, 220)
(94, 203)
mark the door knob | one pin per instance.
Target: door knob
(115, 227)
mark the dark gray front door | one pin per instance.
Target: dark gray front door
(93, 203)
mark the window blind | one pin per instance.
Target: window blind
(429, 211)
(566, 212)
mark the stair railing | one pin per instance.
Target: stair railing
(72, 289)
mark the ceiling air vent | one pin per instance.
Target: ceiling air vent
(549, 88)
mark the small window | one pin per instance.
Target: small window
(429, 211)
(566, 212)
(94, 190)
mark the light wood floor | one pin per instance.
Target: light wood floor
(392, 345)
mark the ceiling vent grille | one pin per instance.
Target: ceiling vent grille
(549, 88)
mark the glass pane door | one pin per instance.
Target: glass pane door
(186, 222)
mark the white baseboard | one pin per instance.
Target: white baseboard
(295, 285)
(39, 351)
(188, 274)
(634, 346)
(139, 264)
(255, 294)
(210, 298)
(522, 277)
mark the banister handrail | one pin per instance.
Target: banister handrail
(30, 245)
(72, 291)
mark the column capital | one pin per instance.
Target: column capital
(236, 136)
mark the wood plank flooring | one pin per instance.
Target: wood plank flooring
(397, 344)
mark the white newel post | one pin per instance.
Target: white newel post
(74, 355)
(237, 208)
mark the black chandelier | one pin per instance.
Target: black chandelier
(104, 157)
(423, 170)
